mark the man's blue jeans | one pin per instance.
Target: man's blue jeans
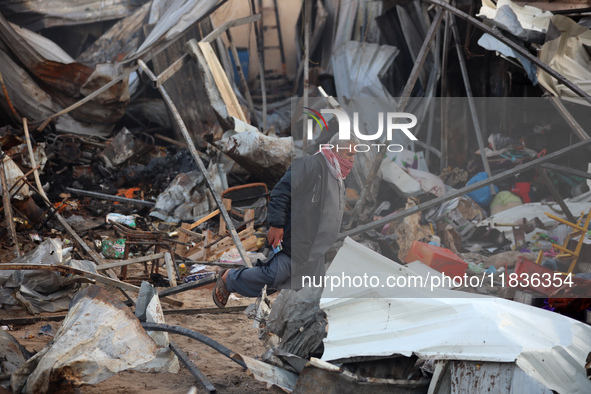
(249, 282)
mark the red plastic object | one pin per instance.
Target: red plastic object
(528, 269)
(548, 285)
(522, 190)
(438, 258)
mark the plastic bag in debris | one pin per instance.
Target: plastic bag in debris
(429, 183)
(232, 256)
(128, 220)
(113, 249)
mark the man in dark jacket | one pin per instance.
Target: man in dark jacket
(305, 213)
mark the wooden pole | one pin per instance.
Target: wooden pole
(450, 196)
(555, 193)
(8, 207)
(209, 181)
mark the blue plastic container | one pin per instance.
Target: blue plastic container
(243, 56)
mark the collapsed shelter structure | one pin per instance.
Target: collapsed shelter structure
(140, 141)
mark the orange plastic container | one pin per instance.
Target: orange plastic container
(438, 258)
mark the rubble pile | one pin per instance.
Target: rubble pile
(139, 153)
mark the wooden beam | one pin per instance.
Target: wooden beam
(221, 81)
(121, 263)
(227, 25)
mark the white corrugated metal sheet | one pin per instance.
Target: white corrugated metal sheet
(549, 347)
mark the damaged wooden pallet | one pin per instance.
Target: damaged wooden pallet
(209, 246)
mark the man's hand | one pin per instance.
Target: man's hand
(274, 236)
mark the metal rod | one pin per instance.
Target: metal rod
(109, 197)
(242, 78)
(404, 97)
(488, 181)
(469, 95)
(209, 181)
(260, 49)
(555, 193)
(516, 47)
(307, 22)
(197, 374)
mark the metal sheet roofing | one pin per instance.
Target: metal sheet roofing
(549, 347)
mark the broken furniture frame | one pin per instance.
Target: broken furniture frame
(205, 247)
(578, 230)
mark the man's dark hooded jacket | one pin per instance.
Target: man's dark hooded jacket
(296, 205)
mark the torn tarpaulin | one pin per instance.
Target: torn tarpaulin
(566, 51)
(187, 198)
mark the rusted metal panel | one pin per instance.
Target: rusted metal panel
(186, 88)
(317, 380)
(40, 14)
(66, 82)
(119, 41)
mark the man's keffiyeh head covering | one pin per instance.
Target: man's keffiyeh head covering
(339, 166)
